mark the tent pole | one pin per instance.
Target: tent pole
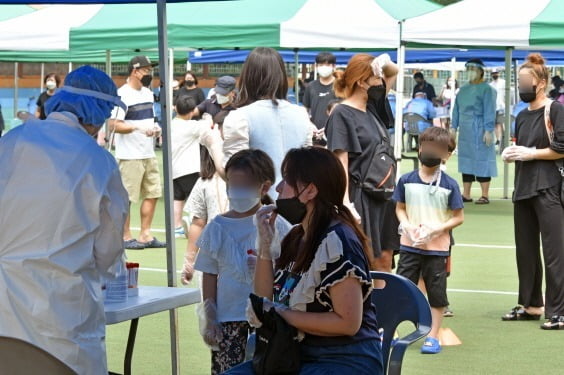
(398, 125)
(166, 119)
(507, 131)
(516, 87)
(42, 75)
(16, 88)
(453, 75)
(109, 73)
(296, 76)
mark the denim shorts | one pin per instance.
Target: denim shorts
(361, 358)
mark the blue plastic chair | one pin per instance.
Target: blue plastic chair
(400, 300)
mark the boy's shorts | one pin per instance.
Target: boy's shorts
(141, 178)
(183, 186)
(432, 268)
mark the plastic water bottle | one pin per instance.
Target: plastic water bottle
(116, 290)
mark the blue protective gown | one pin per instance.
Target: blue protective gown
(473, 115)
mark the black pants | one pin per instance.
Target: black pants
(535, 218)
(472, 178)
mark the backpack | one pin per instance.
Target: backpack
(377, 167)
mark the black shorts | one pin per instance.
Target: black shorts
(432, 268)
(183, 186)
(472, 178)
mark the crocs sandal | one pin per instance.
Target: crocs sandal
(133, 244)
(483, 200)
(153, 244)
(431, 346)
(554, 323)
(519, 313)
(467, 200)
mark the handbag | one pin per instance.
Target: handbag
(377, 167)
(559, 163)
(277, 350)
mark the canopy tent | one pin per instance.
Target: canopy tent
(423, 56)
(488, 23)
(277, 24)
(499, 23)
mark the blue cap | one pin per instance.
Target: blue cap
(89, 93)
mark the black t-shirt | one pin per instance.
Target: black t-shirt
(427, 88)
(317, 97)
(196, 93)
(41, 104)
(533, 176)
(351, 263)
(212, 107)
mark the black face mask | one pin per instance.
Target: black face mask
(429, 160)
(291, 209)
(146, 80)
(190, 83)
(376, 93)
(528, 94)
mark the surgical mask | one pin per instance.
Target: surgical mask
(324, 71)
(222, 99)
(376, 93)
(51, 85)
(190, 83)
(429, 160)
(242, 200)
(291, 209)
(528, 94)
(472, 75)
(146, 80)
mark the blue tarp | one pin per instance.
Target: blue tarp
(490, 57)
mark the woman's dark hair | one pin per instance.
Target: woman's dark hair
(257, 163)
(263, 77)
(52, 75)
(183, 81)
(320, 167)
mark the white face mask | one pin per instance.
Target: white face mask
(324, 71)
(51, 85)
(242, 200)
(221, 99)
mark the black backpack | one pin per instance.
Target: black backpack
(376, 167)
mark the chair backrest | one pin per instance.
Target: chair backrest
(18, 357)
(400, 300)
(411, 122)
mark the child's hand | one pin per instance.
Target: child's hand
(210, 328)
(187, 273)
(425, 234)
(409, 230)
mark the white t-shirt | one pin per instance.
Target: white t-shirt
(185, 147)
(223, 252)
(135, 145)
(208, 199)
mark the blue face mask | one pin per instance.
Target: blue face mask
(242, 200)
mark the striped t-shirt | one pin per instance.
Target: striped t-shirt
(430, 205)
(135, 145)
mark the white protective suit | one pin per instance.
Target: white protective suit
(62, 211)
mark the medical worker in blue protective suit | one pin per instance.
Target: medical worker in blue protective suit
(474, 118)
(62, 211)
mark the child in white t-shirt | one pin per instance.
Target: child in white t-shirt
(227, 258)
(185, 146)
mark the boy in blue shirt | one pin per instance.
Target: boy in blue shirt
(429, 206)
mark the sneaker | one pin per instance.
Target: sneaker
(179, 232)
(448, 313)
(431, 346)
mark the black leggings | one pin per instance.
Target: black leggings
(472, 178)
(539, 219)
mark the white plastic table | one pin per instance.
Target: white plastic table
(151, 300)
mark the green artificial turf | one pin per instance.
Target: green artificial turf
(481, 288)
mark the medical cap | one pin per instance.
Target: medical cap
(89, 93)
